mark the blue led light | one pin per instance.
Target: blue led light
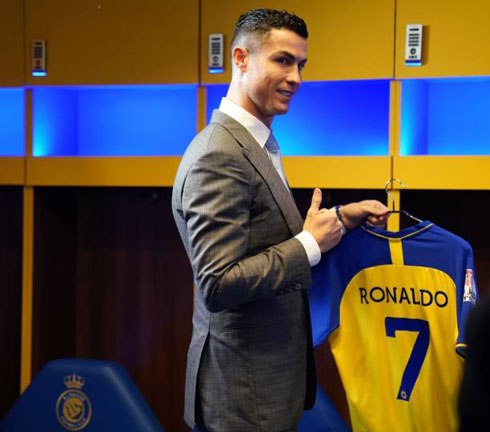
(214, 93)
(414, 129)
(12, 123)
(330, 118)
(55, 121)
(114, 120)
(216, 70)
(38, 74)
(445, 117)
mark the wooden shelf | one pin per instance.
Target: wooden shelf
(12, 170)
(340, 172)
(443, 172)
(101, 171)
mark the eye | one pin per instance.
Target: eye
(283, 61)
(301, 66)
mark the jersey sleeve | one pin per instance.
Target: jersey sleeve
(325, 295)
(467, 291)
(334, 272)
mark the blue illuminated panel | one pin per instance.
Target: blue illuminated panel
(12, 125)
(214, 93)
(445, 117)
(330, 118)
(114, 120)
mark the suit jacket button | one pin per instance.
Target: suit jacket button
(298, 286)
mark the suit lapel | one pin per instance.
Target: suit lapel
(258, 158)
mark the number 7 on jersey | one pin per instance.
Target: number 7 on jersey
(419, 351)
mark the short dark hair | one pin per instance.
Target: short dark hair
(261, 21)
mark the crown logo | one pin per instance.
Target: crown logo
(74, 381)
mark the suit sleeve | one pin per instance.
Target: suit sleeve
(217, 198)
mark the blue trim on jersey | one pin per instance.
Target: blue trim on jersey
(424, 244)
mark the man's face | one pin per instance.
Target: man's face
(273, 74)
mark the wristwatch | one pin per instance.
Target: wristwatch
(338, 212)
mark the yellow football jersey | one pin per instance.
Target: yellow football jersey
(393, 306)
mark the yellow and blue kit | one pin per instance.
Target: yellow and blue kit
(393, 306)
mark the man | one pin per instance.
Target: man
(250, 364)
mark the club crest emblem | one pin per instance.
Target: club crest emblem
(73, 407)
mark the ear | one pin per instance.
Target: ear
(241, 57)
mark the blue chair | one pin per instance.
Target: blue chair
(88, 395)
(324, 417)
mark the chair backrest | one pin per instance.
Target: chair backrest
(324, 417)
(75, 394)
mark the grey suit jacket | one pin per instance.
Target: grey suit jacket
(250, 355)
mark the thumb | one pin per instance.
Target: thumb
(316, 200)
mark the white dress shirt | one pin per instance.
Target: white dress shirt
(261, 133)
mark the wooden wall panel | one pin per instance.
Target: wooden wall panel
(54, 273)
(11, 293)
(347, 40)
(114, 42)
(129, 285)
(11, 43)
(455, 37)
(464, 213)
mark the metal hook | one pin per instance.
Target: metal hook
(387, 185)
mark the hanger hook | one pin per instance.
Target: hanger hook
(387, 186)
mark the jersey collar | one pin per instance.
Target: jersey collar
(404, 233)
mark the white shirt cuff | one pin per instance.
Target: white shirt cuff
(311, 247)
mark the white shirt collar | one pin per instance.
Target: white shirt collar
(253, 125)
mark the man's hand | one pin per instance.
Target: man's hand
(322, 223)
(370, 210)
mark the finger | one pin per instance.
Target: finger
(316, 200)
(380, 208)
(377, 220)
(377, 210)
(373, 219)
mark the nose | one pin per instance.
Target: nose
(294, 76)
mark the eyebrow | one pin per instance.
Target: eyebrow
(290, 56)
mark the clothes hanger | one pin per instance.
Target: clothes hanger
(406, 213)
